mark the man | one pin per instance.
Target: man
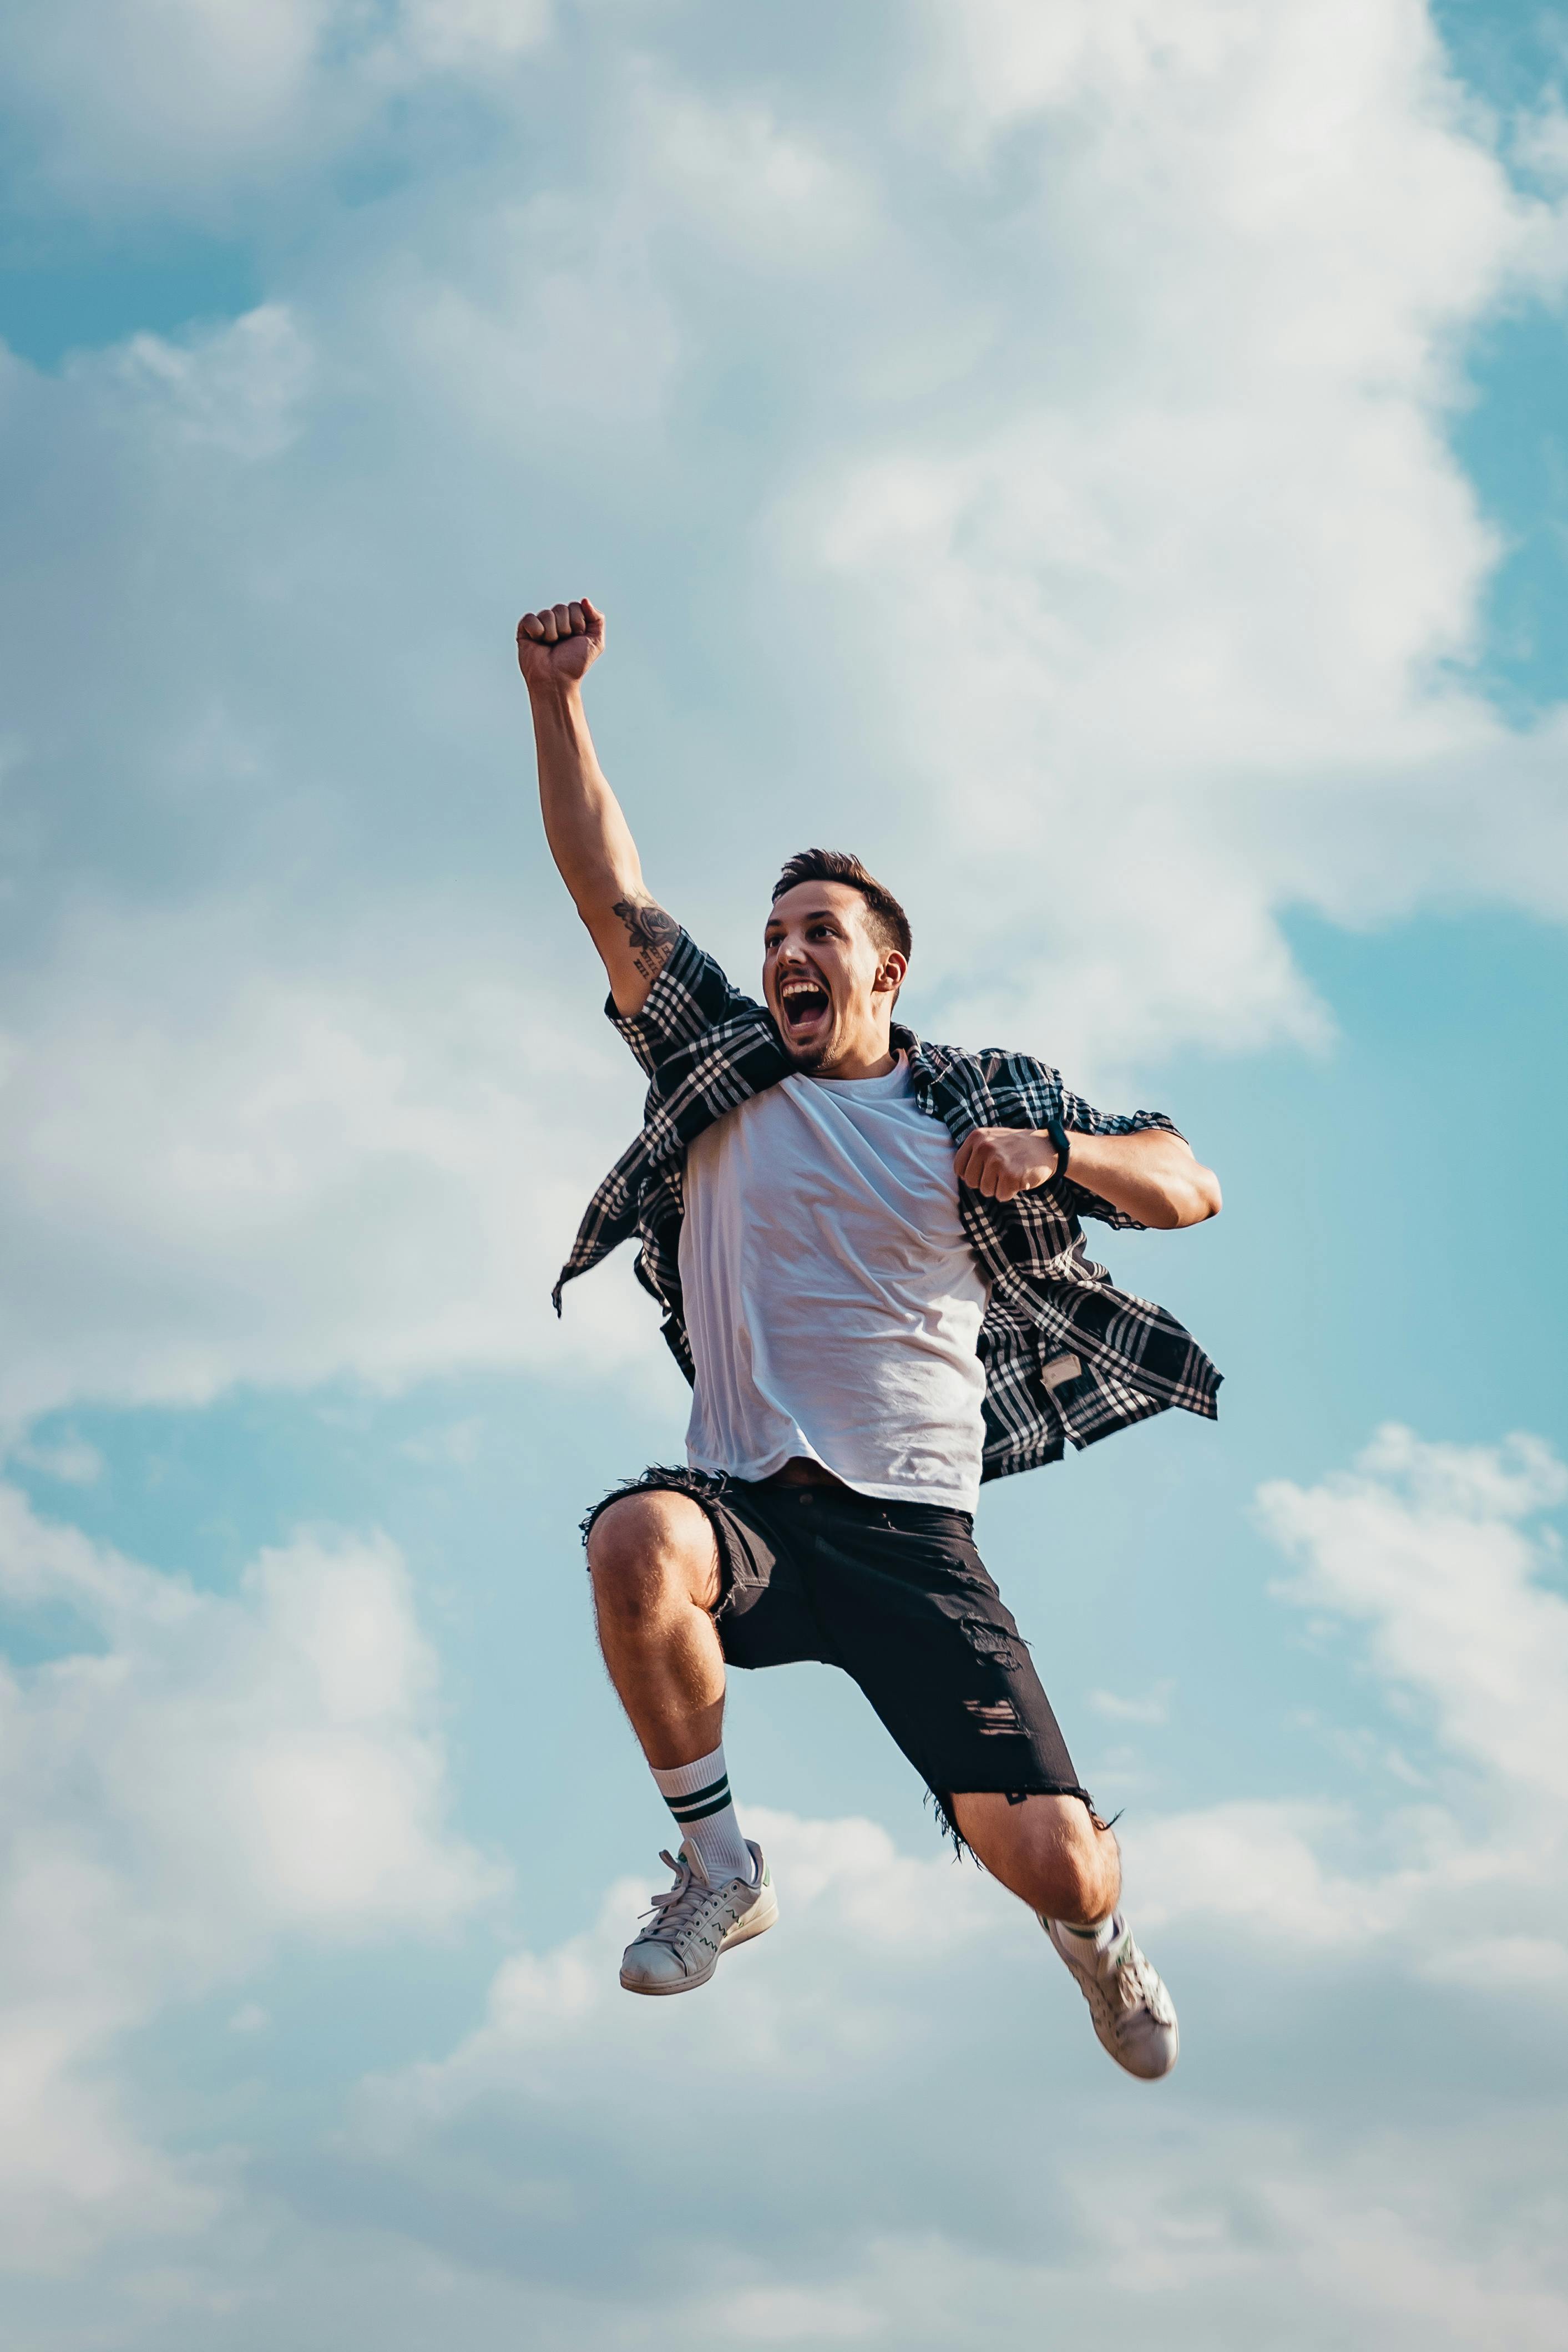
(869, 1259)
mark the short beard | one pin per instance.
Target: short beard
(808, 1064)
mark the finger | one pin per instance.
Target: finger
(562, 621)
(578, 619)
(594, 617)
(547, 632)
(532, 627)
(977, 1144)
(965, 1160)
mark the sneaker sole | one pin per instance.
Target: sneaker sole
(743, 1932)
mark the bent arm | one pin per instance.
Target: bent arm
(589, 838)
(1150, 1175)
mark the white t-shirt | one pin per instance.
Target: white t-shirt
(833, 1302)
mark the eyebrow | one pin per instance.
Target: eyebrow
(815, 914)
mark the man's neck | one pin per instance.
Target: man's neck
(873, 1061)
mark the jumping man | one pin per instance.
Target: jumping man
(868, 1255)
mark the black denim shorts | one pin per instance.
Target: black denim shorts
(896, 1594)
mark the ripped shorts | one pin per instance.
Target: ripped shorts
(896, 1594)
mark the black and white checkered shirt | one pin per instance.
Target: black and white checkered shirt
(1067, 1355)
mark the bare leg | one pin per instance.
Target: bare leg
(655, 1565)
(1049, 1850)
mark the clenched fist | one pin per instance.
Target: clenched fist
(1003, 1162)
(556, 645)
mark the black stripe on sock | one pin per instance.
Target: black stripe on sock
(701, 1802)
(702, 1812)
(718, 1788)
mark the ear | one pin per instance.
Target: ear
(890, 977)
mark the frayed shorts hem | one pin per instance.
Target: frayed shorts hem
(896, 1595)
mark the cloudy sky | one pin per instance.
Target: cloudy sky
(1104, 462)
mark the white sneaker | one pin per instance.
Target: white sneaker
(1132, 2012)
(693, 1922)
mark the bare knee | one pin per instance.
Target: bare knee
(1080, 1873)
(650, 1553)
(1050, 1851)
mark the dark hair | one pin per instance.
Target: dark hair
(885, 918)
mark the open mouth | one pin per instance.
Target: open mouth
(802, 1005)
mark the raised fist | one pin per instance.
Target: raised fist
(556, 645)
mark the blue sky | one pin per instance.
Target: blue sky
(1110, 471)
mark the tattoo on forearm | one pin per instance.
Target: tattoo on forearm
(653, 933)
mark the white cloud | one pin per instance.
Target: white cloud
(892, 1986)
(1206, 558)
(741, 178)
(70, 1459)
(472, 35)
(200, 106)
(932, 2147)
(1036, 433)
(275, 1176)
(455, 1443)
(1429, 1550)
(189, 1779)
(1153, 1708)
(239, 390)
(120, 99)
(1067, 436)
(1424, 1544)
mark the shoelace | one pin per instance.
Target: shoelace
(1140, 1986)
(677, 1912)
(1133, 1985)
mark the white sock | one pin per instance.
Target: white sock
(1094, 1938)
(699, 1796)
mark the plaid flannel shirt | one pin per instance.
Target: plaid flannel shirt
(1067, 1355)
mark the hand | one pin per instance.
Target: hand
(556, 645)
(1003, 1162)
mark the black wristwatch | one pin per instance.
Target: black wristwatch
(1060, 1137)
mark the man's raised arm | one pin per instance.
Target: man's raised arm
(589, 838)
